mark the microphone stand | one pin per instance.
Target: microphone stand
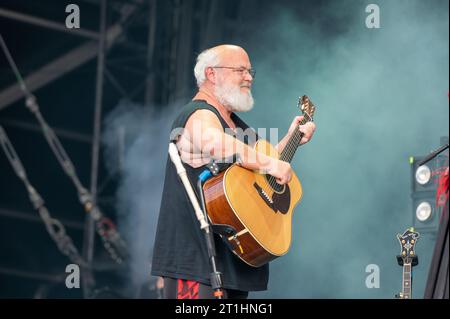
(216, 276)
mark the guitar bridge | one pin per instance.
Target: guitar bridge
(265, 197)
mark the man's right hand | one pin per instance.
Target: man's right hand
(281, 170)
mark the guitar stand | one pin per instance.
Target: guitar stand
(414, 261)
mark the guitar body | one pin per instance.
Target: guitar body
(261, 215)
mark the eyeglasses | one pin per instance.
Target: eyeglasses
(241, 70)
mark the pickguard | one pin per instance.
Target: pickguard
(278, 202)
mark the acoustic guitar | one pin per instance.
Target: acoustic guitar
(257, 210)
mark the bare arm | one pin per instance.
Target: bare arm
(205, 132)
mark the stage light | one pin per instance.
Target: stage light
(423, 174)
(424, 211)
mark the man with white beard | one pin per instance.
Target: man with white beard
(203, 131)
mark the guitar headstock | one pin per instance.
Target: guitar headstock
(307, 107)
(407, 242)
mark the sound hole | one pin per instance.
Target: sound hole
(273, 183)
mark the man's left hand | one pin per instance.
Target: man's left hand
(307, 129)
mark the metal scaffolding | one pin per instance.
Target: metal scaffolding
(159, 64)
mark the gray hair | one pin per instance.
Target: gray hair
(205, 59)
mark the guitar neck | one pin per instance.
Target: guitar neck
(406, 286)
(293, 143)
(407, 259)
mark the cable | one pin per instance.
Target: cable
(105, 228)
(54, 227)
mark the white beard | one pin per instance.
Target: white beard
(233, 99)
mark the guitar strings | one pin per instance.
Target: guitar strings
(292, 147)
(287, 154)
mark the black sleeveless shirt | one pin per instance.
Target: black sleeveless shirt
(180, 249)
